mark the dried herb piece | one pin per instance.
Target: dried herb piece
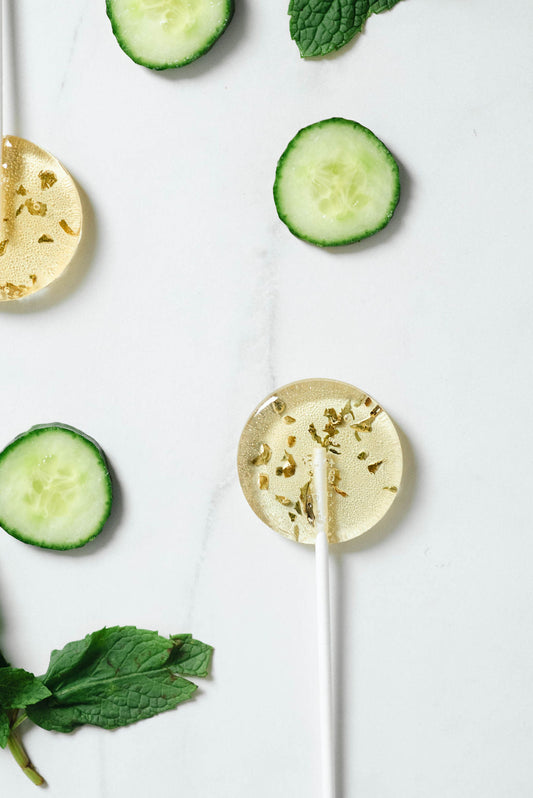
(366, 424)
(278, 405)
(19, 210)
(325, 441)
(392, 488)
(330, 429)
(279, 471)
(374, 467)
(347, 411)
(362, 455)
(291, 440)
(3, 245)
(12, 291)
(48, 179)
(64, 226)
(296, 532)
(298, 508)
(21, 191)
(33, 278)
(284, 501)
(334, 417)
(306, 498)
(314, 434)
(292, 516)
(368, 401)
(289, 419)
(264, 455)
(290, 468)
(334, 478)
(36, 208)
(44, 239)
(263, 482)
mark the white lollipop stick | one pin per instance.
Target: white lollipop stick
(320, 477)
(1, 106)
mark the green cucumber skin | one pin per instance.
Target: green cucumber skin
(344, 242)
(109, 486)
(230, 8)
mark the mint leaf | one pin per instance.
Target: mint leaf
(3, 661)
(192, 657)
(18, 688)
(116, 676)
(320, 26)
(4, 728)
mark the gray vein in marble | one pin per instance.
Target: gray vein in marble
(257, 349)
(216, 499)
(268, 280)
(259, 342)
(72, 49)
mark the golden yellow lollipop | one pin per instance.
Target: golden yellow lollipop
(320, 462)
(364, 459)
(41, 218)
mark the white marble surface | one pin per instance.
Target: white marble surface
(188, 302)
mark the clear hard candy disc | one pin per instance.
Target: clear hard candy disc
(41, 218)
(364, 459)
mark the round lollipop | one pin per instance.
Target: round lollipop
(40, 214)
(320, 462)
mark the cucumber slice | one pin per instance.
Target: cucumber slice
(161, 34)
(336, 183)
(55, 488)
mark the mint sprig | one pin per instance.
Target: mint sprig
(321, 26)
(113, 677)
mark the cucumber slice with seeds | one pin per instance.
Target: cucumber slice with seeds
(336, 183)
(162, 34)
(55, 488)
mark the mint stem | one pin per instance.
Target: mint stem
(21, 718)
(15, 746)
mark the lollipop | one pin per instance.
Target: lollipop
(320, 462)
(41, 215)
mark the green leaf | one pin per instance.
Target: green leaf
(320, 26)
(192, 657)
(117, 676)
(4, 728)
(3, 661)
(18, 688)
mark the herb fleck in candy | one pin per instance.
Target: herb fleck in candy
(279, 406)
(264, 455)
(48, 179)
(374, 467)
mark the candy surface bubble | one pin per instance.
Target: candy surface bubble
(41, 218)
(364, 459)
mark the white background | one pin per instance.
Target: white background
(188, 302)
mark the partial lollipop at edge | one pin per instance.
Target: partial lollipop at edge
(41, 218)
